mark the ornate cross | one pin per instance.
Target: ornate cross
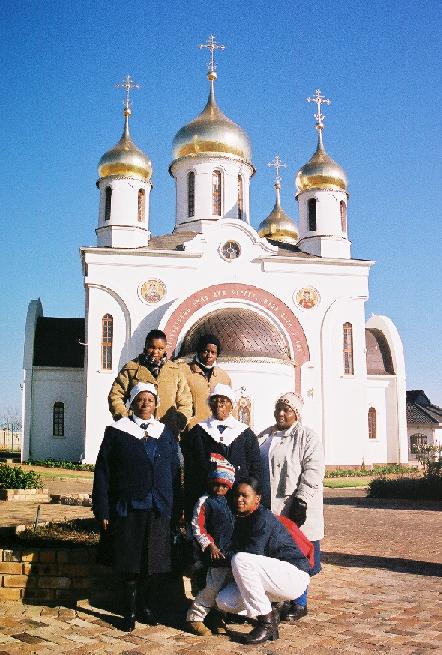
(277, 164)
(319, 100)
(128, 84)
(212, 45)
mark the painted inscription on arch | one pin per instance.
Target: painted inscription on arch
(232, 291)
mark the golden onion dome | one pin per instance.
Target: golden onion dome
(125, 158)
(321, 172)
(212, 133)
(278, 226)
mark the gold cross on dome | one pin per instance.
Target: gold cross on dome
(212, 45)
(127, 84)
(319, 100)
(276, 163)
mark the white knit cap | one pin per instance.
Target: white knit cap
(143, 386)
(293, 400)
(223, 390)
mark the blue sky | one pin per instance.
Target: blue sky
(379, 62)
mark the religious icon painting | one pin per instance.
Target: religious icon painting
(152, 291)
(230, 250)
(307, 297)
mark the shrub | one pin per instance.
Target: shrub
(426, 488)
(60, 464)
(363, 472)
(430, 456)
(13, 477)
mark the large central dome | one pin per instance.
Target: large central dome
(212, 133)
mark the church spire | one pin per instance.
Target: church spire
(127, 84)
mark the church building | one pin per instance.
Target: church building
(287, 302)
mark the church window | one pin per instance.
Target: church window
(312, 214)
(106, 341)
(343, 211)
(372, 423)
(141, 205)
(108, 203)
(191, 194)
(348, 349)
(216, 193)
(240, 198)
(58, 420)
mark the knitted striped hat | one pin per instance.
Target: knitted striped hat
(221, 470)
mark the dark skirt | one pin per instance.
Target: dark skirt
(137, 543)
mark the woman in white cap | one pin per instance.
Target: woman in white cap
(136, 483)
(293, 472)
(222, 434)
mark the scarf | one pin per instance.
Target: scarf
(151, 364)
(207, 370)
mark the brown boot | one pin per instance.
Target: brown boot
(266, 629)
(199, 628)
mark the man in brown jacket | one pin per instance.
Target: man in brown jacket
(202, 375)
(175, 399)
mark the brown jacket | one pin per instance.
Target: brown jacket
(200, 388)
(175, 406)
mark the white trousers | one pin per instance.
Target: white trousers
(259, 580)
(205, 599)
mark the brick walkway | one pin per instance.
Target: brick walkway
(380, 592)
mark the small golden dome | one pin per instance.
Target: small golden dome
(321, 172)
(278, 226)
(125, 158)
(212, 133)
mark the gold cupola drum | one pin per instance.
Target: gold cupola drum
(278, 226)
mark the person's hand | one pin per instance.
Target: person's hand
(215, 552)
(104, 524)
(298, 511)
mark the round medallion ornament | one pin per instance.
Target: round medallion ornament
(230, 250)
(152, 291)
(307, 297)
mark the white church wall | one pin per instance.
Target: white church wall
(35, 310)
(378, 450)
(51, 385)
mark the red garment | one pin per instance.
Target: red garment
(305, 546)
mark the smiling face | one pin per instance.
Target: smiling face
(143, 405)
(246, 499)
(285, 416)
(155, 348)
(221, 407)
(208, 355)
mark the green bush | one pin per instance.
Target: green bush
(363, 472)
(426, 488)
(13, 477)
(60, 464)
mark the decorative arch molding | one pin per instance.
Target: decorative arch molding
(120, 302)
(249, 295)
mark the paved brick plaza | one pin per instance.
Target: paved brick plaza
(380, 592)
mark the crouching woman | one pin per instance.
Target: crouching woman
(136, 486)
(267, 565)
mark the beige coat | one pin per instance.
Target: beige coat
(297, 470)
(175, 407)
(200, 388)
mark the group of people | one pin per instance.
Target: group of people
(175, 456)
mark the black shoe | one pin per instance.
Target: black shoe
(291, 611)
(147, 616)
(130, 599)
(265, 630)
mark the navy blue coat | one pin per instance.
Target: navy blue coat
(124, 472)
(197, 446)
(261, 533)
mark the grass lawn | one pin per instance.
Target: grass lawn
(342, 483)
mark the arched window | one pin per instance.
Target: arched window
(240, 198)
(312, 215)
(216, 193)
(348, 349)
(106, 341)
(343, 211)
(108, 203)
(141, 205)
(191, 194)
(372, 423)
(58, 419)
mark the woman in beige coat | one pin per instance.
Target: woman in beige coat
(293, 471)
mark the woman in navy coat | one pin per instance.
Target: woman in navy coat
(135, 492)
